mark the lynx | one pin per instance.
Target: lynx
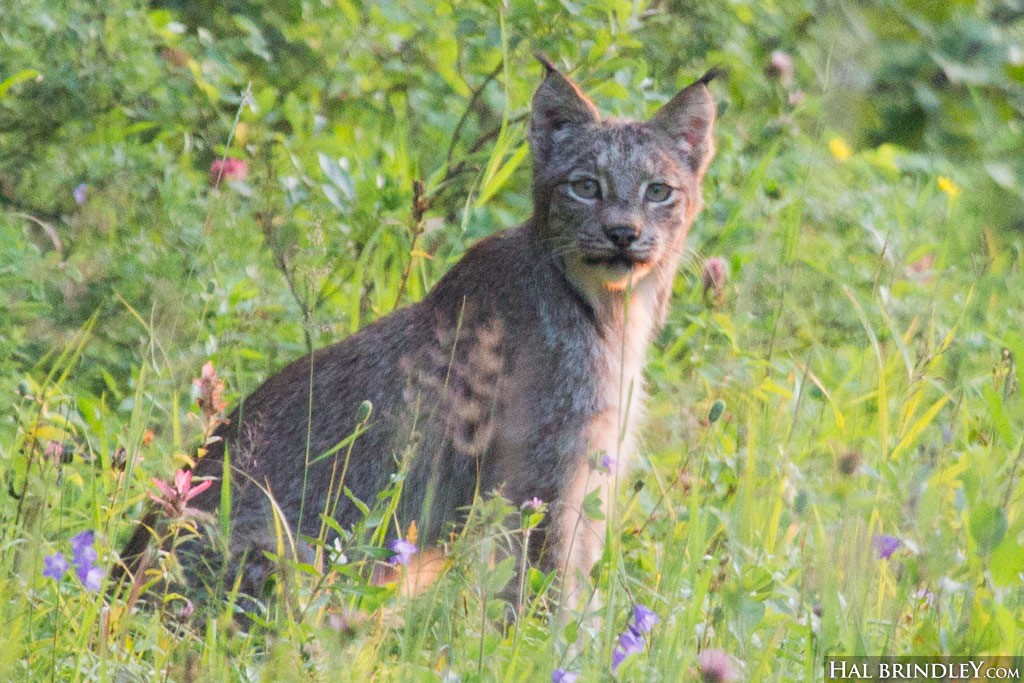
(515, 375)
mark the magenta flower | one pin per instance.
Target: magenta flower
(534, 504)
(55, 566)
(80, 193)
(885, 545)
(716, 666)
(174, 499)
(228, 169)
(563, 676)
(403, 550)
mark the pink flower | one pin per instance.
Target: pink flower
(716, 667)
(713, 277)
(228, 169)
(780, 66)
(211, 388)
(174, 499)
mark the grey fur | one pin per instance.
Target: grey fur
(512, 373)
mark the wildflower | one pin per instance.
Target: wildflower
(174, 498)
(403, 550)
(534, 504)
(618, 656)
(80, 193)
(947, 185)
(780, 66)
(715, 666)
(631, 640)
(608, 462)
(55, 566)
(84, 550)
(228, 169)
(885, 545)
(644, 619)
(55, 451)
(713, 278)
(563, 676)
(839, 148)
(91, 578)
(211, 389)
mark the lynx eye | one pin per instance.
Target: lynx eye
(585, 188)
(657, 192)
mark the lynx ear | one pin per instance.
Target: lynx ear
(689, 117)
(558, 106)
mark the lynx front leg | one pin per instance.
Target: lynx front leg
(579, 537)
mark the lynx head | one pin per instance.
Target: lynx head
(614, 199)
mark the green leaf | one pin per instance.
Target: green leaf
(592, 507)
(19, 77)
(988, 527)
(1006, 563)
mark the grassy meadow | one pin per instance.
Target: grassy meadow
(832, 453)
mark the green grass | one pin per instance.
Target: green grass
(865, 347)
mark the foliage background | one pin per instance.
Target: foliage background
(868, 204)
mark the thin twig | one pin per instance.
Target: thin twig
(420, 204)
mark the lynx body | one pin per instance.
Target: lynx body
(515, 374)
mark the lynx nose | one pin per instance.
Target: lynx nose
(622, 236)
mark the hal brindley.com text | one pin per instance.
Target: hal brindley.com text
(922, 668)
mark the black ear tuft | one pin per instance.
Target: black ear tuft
(713, 73)
(558, 107)
(548, 65)
(689, 118)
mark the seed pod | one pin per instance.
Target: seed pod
(717, 408)
(364, 412)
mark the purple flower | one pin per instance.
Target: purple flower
(618, 656)
(644, 619)
(83, 548)
(563, 676)
(534, 504)
(80, 193)
(404, 550)
(608, 462)
(55, 566)
(630, 643)
(715, 667)
(85, 555)
(91, 577)
(885, 545)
